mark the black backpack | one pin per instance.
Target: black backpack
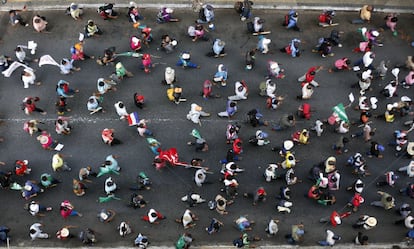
(201, 15)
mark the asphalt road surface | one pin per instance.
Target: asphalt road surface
(170, 126)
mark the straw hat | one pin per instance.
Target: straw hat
(43, 139)
(221, 43)
(64, 232)
(103, 215)
(288, 144)
(371, 221)
(410, 148)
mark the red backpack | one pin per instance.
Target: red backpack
(322, 18)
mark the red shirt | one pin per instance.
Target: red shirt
(309, 77)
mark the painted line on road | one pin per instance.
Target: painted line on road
(270, 6)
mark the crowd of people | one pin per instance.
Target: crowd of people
(324, 177)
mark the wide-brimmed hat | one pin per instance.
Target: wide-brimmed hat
(103, 215)
(371, 221)
(288, 144)
(64, 232)
(410, 148)
(330, 161)
(405, 99)
(43, 139)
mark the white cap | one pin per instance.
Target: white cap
(375, 33)
(405, 99)
(266, 41)
(185, 56)
(169, 10)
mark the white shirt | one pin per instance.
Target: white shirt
(20, 55)
(272, 227)
(28, 79)
(329, 237)
(187, 218)
(367, 60)
(200, 177)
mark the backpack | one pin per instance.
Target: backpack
(286, 21)
(351, 160)
(250, 27)
(202, 15)
(72, 50)
(238, 7)
(322, 18)
(269, 102)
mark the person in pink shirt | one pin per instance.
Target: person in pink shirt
(391, 22)
(67, 209)
(341, 64)
(409, 80)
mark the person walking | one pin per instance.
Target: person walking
(36, 232)
(67, 209)
(387, 201)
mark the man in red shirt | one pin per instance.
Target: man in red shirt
(309, 76)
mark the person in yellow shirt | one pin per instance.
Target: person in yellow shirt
(364, 14)
(59, 164)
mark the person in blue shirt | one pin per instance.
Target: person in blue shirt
(291, 20)
(62, 89)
